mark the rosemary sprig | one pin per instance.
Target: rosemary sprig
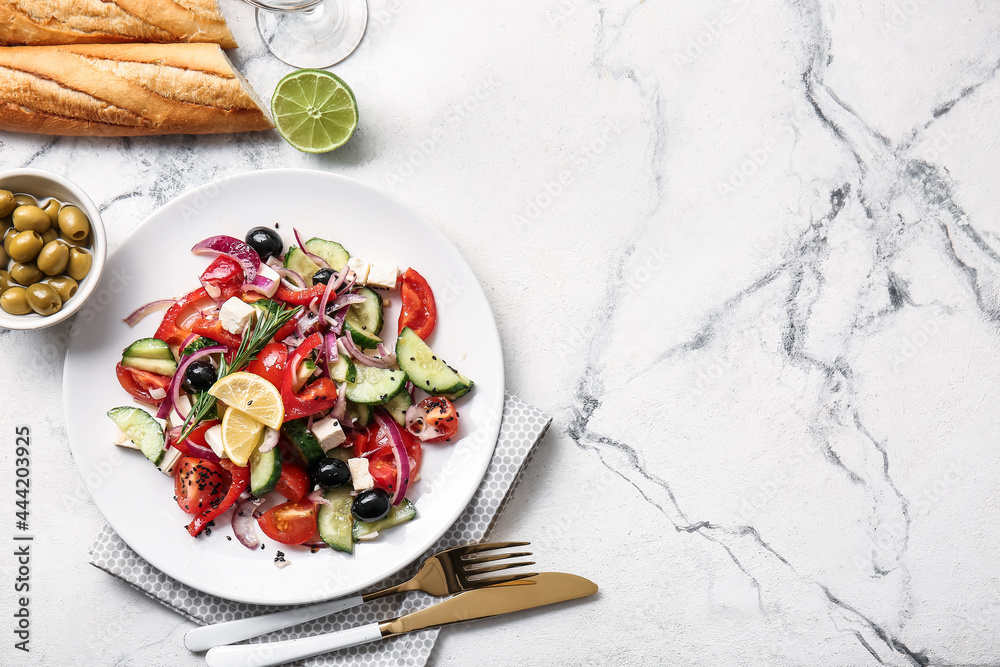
(271, 316)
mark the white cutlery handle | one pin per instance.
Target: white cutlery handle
(278, 653)
(220, 634)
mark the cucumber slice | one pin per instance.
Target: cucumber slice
(401, 513)
(335, 522)
(265, 469)
(150, 354)
(149, 348)
(296, 260)
(363, 415)
(426, 370)
(364, 320)
(331, 251)
(197, 344)
(375, 386)
(304, 440)
(398, 405)
(344, 369)
(161, 366)
(142, 429)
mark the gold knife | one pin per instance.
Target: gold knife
(547, 588)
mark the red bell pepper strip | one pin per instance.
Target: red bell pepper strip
(171, 330)
(320, 395)
(211, 328)
(240, 480)
(300, 297)
(285, 331)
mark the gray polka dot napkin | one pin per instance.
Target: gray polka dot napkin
(523, 425)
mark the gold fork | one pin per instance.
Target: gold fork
(445, 573)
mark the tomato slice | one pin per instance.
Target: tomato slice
(270, 363)
(293, 482)
(419, 310)
(439, 414)
(138, 383)
(239, 480)
(381, 461)
(198, 484)
(289, 523)
(223, 279)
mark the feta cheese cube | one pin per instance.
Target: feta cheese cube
(360, 268)
(235, 315)
(213, 437)
(169, 461)
(383, 275)
(270, 274)
(329, 433)
(360, 476)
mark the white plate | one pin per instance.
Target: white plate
(155, 262)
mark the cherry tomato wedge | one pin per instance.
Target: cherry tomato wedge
(198, 484)
(223, 279)
(382, 463)
(437, 419)
(293, 482)
(419, 310)
(239, 480)
(270, 363)
(289, 523)
(138, 383)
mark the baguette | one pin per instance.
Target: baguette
(125, 90)
(46, 22)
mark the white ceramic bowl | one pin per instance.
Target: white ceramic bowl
(42, 185)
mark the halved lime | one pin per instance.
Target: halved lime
(314, 110)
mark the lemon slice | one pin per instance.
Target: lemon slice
(252, 395)
(314, 110)
(241, 434)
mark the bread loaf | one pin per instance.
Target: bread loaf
(41, 22)
(125, 90)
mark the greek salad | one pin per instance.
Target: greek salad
(269, 391)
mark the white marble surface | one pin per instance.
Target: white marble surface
(745, 252)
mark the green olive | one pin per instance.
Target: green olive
(27, 273)
(52, 208)
(53, 258)
(64, 286)
(8, 236)
(4, 258)
(25, 200)
(24, 246)
(73, 223)
(50, 235)
(31, 217)
(79, 263)
(7, 203)
(6, 282)
(43, 299)
(15, 301)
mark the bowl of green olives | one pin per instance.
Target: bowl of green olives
(53, 248)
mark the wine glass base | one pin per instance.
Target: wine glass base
(315, 38)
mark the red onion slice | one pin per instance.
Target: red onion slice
(339, 410)
(234, 248)
(270, 440)
(416, 425)
(244, 523)
(139, 313)
(363, 358)
(399, 454)
(178, 379)
(316, 498)
(319, 261)
(187, 341)
(330, 289)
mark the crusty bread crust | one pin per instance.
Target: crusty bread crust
(124, 90)
(46, 22)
